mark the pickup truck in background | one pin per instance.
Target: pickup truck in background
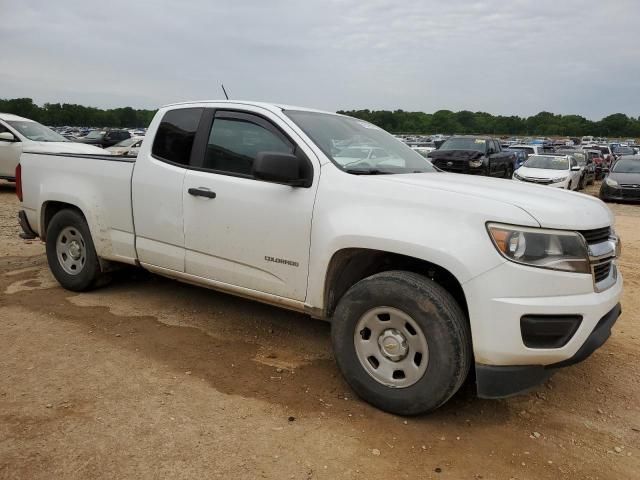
(423, 274)
(474, 155)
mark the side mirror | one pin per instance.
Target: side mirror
(575, 168)
(8, 137)
(283, 168)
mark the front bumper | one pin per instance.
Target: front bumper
(619, 194)
(562, 184)
(505, 381)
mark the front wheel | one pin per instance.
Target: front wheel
(508, 172)
(71, 255)
(402, 342)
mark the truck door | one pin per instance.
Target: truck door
(158, 179)
(241, 231)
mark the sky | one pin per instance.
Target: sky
(509, 57)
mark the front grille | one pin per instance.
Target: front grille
(631, 192)
(455, 167)
(597, 235)
(539, 181)
(601, 271)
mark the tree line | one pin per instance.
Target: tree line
(69, 114)
(466, 122)
(398, 121)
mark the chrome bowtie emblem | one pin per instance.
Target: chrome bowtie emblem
(449, 164)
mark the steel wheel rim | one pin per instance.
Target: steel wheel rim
(391, 347)
(71, 250)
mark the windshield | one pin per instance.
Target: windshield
(126, 143)
(357, 146)
(462, 143)
(627, 165)
(547, 162)
(95, 134)
(36, 132)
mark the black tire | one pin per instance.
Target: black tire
(89, 273)
(508, 173)
(581, 183)
(439, 317)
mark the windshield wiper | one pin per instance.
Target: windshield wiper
(366, 171)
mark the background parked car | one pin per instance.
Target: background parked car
(623, 181)
(588, 169)
(105, 138)
(128, 147)
(520, 156)
(529, 149)
(595, 155)
(560, 171)
(16, 133)
(473, 155)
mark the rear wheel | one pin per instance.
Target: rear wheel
(508, 172)
(70, 252)
(402, 342)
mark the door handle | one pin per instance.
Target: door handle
(202, 192)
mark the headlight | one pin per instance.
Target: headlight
(537, 247)
(611, 182)
(515, 175)
(475, 163)
(559, 179)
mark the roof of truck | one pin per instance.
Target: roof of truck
(265, 105)
(9, 116)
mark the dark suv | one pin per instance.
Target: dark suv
(105, 138)
(474, 155)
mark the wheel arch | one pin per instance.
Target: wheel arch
(48, 211)
(350, 265)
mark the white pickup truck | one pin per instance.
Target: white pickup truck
(422, 273)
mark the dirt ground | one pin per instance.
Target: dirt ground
(149, 378)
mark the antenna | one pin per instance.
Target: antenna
(225, 92)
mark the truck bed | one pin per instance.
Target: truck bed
(99, 185)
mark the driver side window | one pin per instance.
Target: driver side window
(490, 147)
(235, 141)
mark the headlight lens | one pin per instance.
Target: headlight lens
(515, 175)
(559, 179)
(475, 163)
(537, 247)
(611, 182)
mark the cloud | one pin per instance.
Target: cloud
(516, 57)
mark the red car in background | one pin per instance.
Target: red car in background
(601, 164)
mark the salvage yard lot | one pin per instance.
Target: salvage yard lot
(149, 378)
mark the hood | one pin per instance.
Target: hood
(542, 173)
(117, 150)
(455, 154)
(551, 207)
(625, 178)
(64, 147)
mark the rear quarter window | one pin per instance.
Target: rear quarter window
(174, 139)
